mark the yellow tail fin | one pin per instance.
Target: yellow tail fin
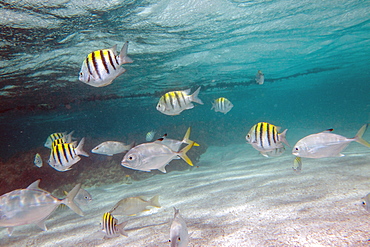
(183, 155)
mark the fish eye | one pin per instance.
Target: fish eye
(363, 203)
(169, 240)
(179, 239)
(81, 74)
(131, 157)
(296, 149)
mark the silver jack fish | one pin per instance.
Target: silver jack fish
(179, 236)
(222, 105)
(176, 144)
(325, 144)
(111, 147)
(110, 227)
(173, 103)
(83, 197)
(152, 155)
(366, 202)
(134, 205)
(101, 67)
(32, 205)
(265, 138)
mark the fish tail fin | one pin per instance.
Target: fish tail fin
(360, 133)
(283, 137)
(183, 155)
(69, 200)
(155, 201)
(79, 148)
(177, 211)
(213, 105)
(121, 230)
(187, 140)
(123, 58)
(194, 97)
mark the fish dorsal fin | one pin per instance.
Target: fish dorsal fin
(34, 185)
(187, 91)
(327, 131)
(114, 49)
(278, 128)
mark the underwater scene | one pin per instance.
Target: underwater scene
(184, 123)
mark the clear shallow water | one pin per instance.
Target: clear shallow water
(315, 57)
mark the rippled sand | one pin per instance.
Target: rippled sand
(235, 198)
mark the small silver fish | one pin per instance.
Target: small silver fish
(83, 197)
(32, 205)
(150, 156)
(111, 147)
(222, 105)
(176, 144)
(134, 205)
(366, 202)
(65, 155)
(265, 138)
(38, 160)
(101, 67)
(174, 102)
(149, 136)
(326, 144)
(179, 236)
(110, 227)
(260, 77)
(67, 138)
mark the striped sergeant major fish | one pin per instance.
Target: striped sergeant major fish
(64, 155)
(110, 227)
(265, 138)
(52, 137)
(101, 67)
(174, 102)
(222, 105)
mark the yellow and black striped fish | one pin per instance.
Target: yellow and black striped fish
(174, 102)
(222, 105)
(64, 155)
(101, 67)
(265, 138)
(51, 138)
(110, 228)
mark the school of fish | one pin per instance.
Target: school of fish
(100, 68)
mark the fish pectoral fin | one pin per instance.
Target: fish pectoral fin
(42, 225)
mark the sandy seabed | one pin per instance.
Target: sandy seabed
(235, 197)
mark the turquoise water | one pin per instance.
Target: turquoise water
(315, 57)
